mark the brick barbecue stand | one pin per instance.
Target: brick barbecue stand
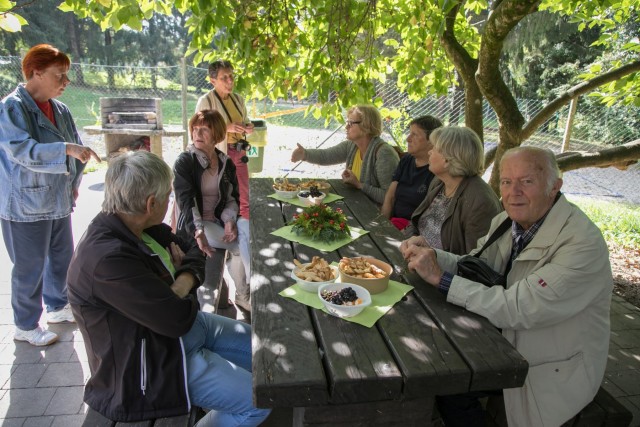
(125, 120)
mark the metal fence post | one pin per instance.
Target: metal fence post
(183, 78)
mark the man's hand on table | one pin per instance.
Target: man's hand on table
(422, 260)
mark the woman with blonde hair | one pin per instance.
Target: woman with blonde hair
(459, 205)
(369, 160)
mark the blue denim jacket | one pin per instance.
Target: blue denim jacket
(37, 178)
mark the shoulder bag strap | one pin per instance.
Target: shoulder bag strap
(506, 224)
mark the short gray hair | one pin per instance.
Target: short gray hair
(462, 148)
(544, 160)
(131, 179)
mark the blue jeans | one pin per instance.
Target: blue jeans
(40, 252)
(243, 241)
(218, 351)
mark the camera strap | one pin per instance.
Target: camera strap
(227, 111)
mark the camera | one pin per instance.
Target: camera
(243, 144)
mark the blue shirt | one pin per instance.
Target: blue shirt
(413, 183)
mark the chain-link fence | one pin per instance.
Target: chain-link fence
(180, 86)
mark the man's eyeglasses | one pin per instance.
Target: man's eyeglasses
(351, 122)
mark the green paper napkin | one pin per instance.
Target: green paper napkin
(317, 244)
(331, 197)
(380, 303)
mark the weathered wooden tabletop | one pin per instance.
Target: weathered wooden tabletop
(307, 359)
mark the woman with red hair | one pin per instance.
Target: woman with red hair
(41, 164)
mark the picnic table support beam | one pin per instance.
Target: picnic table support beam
(406, 413)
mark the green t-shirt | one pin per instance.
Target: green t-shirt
(160, 251)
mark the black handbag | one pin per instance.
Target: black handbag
(473, 268)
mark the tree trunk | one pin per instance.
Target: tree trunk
(74, 46)
(502, 20)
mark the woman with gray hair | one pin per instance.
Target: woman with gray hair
(459, 205)
(151, 352)
(370, 162)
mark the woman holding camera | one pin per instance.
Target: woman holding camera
(234, 112)
(206, 191)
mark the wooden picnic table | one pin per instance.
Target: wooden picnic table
(332, 371)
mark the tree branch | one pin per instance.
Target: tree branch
(577, 90)
(620, 156)
(466, 67)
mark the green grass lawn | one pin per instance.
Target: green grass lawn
(619, 222)
(84, 104)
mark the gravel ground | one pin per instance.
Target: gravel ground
(599, 183)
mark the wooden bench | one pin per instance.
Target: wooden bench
(94, 419)
(209, 295)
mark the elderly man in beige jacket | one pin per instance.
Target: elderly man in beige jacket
(555, 307)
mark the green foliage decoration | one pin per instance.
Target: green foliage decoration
(320, 222)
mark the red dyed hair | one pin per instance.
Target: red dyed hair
(211, 119)
(43, 56)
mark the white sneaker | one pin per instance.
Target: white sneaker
(37, 336)
(61, 316)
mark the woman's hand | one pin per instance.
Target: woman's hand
(348, 177)
(230, 231)
(237, 128)
(176, 253)
(412, 241)
(298, 154)
(248, 128)
(203, 243)
(80, 152)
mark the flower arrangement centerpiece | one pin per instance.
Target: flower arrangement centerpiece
(320, 222)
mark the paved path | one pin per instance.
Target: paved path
(44, 386)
